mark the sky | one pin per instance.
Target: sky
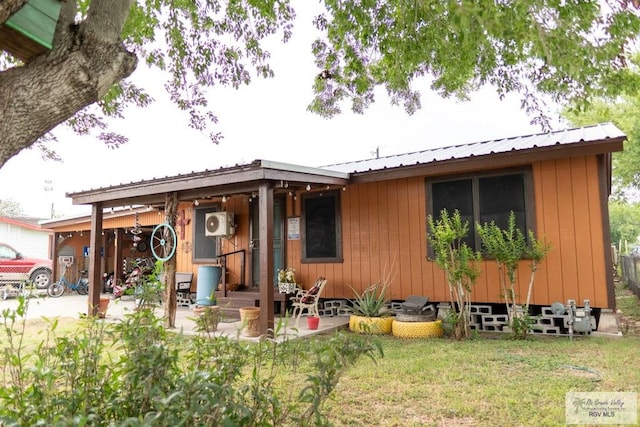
(265, 120)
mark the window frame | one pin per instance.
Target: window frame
(336, 195)
(529, 197)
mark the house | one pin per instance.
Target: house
(27, 236)
(354, 222)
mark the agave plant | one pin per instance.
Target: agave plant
(372, 302)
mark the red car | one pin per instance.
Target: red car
(16, 269)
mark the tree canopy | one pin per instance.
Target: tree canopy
(10, 208)
(623, 112)
(572, 50)
(624, 221)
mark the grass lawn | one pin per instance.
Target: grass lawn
(482, 382)
(486, 381)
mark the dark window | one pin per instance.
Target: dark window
(321, 227)
(205, 248)
(452, 195)
(484, 198)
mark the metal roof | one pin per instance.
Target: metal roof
(564, 138)
(225, 180)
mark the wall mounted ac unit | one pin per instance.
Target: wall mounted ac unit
(218, 224)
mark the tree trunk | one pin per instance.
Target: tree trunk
(170, 302)
(86, 60)
(8, 7)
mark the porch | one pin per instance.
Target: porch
(74, 305)
(234, 300)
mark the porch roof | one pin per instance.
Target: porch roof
(210, 183)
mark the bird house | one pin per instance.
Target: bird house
(29, 31)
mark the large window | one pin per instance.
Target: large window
(484, 198)
(321, 241)
(205, 248)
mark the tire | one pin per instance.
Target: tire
(83, 288)
(55, 290)
(41, 278)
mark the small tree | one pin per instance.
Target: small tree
(459, 264)
(508, 247)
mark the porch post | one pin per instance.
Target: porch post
(54, 257)
(117, 267)
(95, 239)
(170, 297)
(265, 207)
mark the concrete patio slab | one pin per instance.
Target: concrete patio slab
(73, 305)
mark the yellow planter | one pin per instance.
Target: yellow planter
(370, 325)
(417, 329)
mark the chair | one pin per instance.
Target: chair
(308, 300)
(184, 296)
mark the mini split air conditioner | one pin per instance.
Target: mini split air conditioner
(218, 224)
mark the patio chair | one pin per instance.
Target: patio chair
(184, 296)
(308, 300)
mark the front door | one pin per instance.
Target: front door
(278, 238)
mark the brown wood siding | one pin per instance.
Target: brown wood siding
(384, 226)
(568, 214)
(150, 218)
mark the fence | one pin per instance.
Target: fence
(631, 272)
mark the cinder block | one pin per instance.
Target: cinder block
(546, 330)
(334, 304)
(496, 327)
(481, 309)
(328, 312)
(343, 311)
(497, 318)
(546, 321)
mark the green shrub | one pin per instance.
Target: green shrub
(372, 302)
(138, 373)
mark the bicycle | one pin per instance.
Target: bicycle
(58, 288)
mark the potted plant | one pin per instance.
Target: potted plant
(287, 281)
(210, 301)
(208, 318)
(313, 322)
(370, 313)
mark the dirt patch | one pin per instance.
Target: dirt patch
(457, 422)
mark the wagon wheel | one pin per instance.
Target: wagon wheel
(163, 242)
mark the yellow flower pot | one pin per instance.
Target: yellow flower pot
(417, 329)
(370, 325)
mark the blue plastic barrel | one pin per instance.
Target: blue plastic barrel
(208, 279)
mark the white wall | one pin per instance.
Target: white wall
(32, 243)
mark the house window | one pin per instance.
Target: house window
(484, 198)
(205, 248)
(321, 229)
